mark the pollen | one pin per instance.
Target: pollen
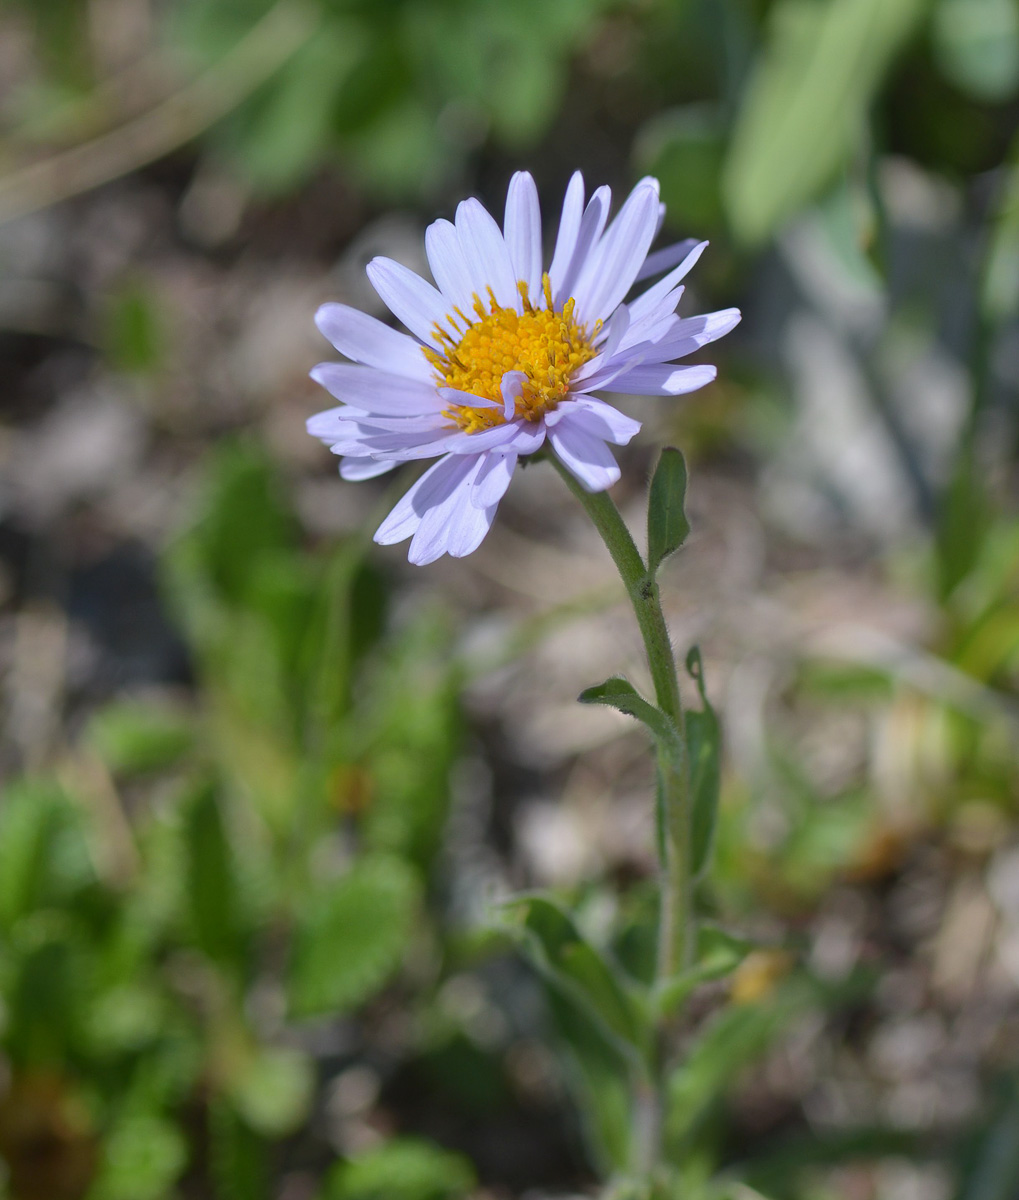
(544, 343)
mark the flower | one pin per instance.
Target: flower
(502, 356)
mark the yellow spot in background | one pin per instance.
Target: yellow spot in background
(545, 344)
(759, 974)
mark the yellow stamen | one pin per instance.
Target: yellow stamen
(546, 345)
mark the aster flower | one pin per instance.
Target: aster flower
(502, 356)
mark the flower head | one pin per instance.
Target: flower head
(502, 355)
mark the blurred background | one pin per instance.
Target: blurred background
(261, 780)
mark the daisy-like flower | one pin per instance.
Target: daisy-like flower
(503, 355)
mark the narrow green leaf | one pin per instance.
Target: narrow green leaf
(667, 526)
(618, 693)
(804, 110)
(238, 1156)
(719, 954)
(133, 738)
(999, 290)
(212, 884)
(704, 746)
(577, 970)
(732, 1040)
(353, 936)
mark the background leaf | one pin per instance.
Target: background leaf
(803, 111)
(352, 936)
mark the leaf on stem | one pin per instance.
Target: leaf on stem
(579, 972)
(703, 744)
(618, 693)
(719, 954)
(667, 526)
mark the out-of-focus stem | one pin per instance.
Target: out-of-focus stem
(171, 123)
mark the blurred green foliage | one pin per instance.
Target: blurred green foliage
(145, 894)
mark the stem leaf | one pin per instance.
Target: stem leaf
(667, 525)
(577, 971)
(704, 745)
(618, 693)
(719, 954)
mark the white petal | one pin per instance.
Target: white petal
(486, 255)
(449, 269)
(666, 258)
(647, 301)
(569, 228)
(435, 485)
(493, 478)
(523, 232)
(366, 340)
(356, 469)
(591, 225)
(409, 298)
(586, 456)
(597, 418)
(611, 270)
(664, 380)
(377, 391)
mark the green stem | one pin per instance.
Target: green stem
(677, 931)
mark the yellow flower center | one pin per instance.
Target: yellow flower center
(545, 344)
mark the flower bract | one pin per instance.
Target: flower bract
(502, 356)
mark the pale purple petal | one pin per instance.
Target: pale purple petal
(688, 334)
(596, 417)
(409, 298)
(569, 229)
(612, 268)
(654, 328)
(664, 380)
(466, 399)
(493, 478)
(356, 469)
(458, 534)
(591, 225)
(666, 258)
(610, 370)
(612, 335)
(523, 232)
(435, 485)
(347, 417)
(376, 391)
(649, 300)
(486, 255)
(449, 268)
(452, 525)
(366, 340)
(522, 436)
(586, 455)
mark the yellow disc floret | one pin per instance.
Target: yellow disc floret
(545, 344)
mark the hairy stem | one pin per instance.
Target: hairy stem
(676, 931)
